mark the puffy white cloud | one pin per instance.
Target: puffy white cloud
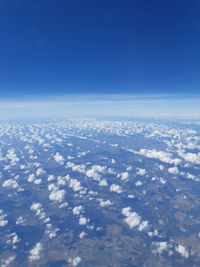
(37, 181)
(138, 183)
(113, 161)
(51, 178)
(78, 210)
(82, 235)
(173, 170)
(143, 225)
(75, 184)
(190, 157)
(79, 168)
(83, 220)
(132, 218)
(35, 252)
(13, 239)
(20, 220)
(40, 171)
(182, 250)
(12, 156)
(160, 155)
(105, 203)
(159, 247)
(10, 183)
(95, 172)
(8, 261)
(59, 158)
(3, 221)
(75, 261)
(57, 195)
(141, 171)
(131, 196)
(39, 211)
(116, 188)
(103, 182)
(124, 175)
(31, 178)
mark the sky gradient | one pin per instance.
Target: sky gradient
(62, 48)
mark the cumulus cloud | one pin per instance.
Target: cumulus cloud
(83, 220)
(57, 195)
(124, 176)
(173, 170)
(20, 220)
(75, 261)
(82, 235)
(190, 157)
(105, 203)
(35, 252)
(59, 158)
(116, 188)
(141, 171)
(78, 210)
(95, 172)
(159, 247)
(8, 261)
(3, 221)
(31, 178)
(132, 218)
(75, 184)
(160, 155)
(138, 183)
(40, 171)
(103, 182)
(143, 226)
(182, 250)
(10, 183)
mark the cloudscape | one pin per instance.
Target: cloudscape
(99, 133)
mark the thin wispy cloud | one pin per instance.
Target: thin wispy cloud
(127, 105)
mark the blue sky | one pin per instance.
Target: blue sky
(104, 48)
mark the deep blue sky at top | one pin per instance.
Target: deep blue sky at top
(87, 46)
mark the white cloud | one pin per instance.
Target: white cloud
(182, 250)
(10, 184)
(124, 175)
(105, 203)
(116, 188)
(51, 178)
(82, 235)
(95, 172)
(143, 226)
(132, 218)
(8, 261)
(138, 183)
(37, 181)
(57, 195)
(31, 178)
(76, 261)
(20, 220)
(103, 182)
(83, 220)
(190, 157)
(173, 170)
(40, 171)
(59, 158)
(141, 171)
(78, 210)
(35, 252)
(161, 155)
(160, 247)
(75, 184)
